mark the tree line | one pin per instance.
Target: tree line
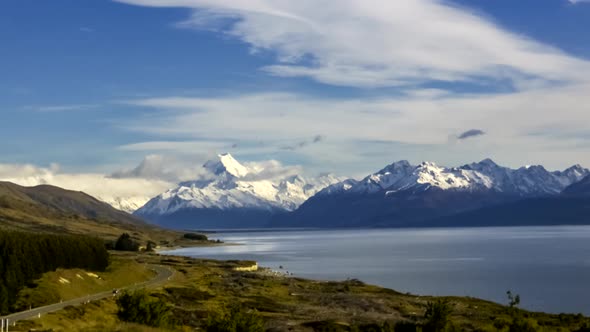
(24, 257)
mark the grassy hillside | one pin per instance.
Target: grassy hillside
(202, 288)
(67, 284)
(54, 210)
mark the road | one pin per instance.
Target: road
(162, 274)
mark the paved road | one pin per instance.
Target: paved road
(163, 274)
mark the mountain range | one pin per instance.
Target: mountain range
(399, 195)
(405, 195)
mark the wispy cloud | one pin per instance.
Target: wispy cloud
(61, 108)
(471, 133)
(86, 29)
(382, 43)
(186, 147)
(304, 143)
(418, 121)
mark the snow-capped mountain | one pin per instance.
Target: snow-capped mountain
(402, 194)
(126, 204)
(231, 189)
(485, 175)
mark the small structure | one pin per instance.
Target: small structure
(252, 268)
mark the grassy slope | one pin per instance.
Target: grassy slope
(202, 287)
(55, 210)
(76, 283)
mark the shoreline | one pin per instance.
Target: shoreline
(407, 276)
(210, 244)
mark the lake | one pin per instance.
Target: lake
(548, 266)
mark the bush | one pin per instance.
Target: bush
(407, 327)
(126, 243)
(520, 324)
(197, 237)
(437, 316)
(236, 320)
(151, 246)
(585, 328)
(139, 307)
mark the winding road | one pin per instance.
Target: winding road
(162, 275)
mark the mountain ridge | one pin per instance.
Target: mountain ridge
(401, 194)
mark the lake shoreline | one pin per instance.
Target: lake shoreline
(477, 262)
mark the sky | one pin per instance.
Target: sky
(94, 88)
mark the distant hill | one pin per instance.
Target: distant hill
(540, 211)
(55, 210)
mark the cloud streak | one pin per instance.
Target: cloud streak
(471, 133)
(304, 143)
(61, 108)
(373, 43)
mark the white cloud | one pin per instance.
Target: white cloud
(201, 148)
(370, 43)
(513, 122)
(61, 108)
(126, 191)
(272, 170)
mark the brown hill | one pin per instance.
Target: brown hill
(55, 210)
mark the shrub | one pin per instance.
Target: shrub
(126, 243)
(139, 307)
(197, 237)
(520, 324)
(585, 328)
(407, 327)
(236, 320)
(151, 246)
(437, 316)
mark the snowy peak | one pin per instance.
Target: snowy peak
(484, 175)
(573, 174)
(226, 164)
(235, 186)
(385, 178)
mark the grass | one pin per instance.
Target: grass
(93, 317)
(204, 287)
(75, 283)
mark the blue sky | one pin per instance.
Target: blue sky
(95, 86)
